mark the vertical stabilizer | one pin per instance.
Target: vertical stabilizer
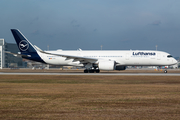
(27, 50)
(23, 44)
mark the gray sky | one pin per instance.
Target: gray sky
(88, 24)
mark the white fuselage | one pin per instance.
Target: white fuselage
(126, 58)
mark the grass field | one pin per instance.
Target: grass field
(89, 97)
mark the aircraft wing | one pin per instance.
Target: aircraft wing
(76, 58)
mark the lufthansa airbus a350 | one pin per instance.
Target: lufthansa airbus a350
(92, 61)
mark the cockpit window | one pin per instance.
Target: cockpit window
(169, 56)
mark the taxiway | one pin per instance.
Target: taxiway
(94, 74)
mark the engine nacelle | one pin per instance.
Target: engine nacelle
(120, 68)
(106, 65)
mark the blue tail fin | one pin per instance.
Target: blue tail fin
(25, 47)
(23, 44)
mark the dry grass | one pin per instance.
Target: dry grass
(89, 97)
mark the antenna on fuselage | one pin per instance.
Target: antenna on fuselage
(101, 47)
(48, 47)
(156, 47)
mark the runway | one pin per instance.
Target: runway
(96, 74)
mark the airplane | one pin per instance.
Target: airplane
(92, 60)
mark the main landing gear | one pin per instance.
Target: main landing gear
(91, 71)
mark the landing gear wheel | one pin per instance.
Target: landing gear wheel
(165, 71)
(91, 71)
(85, 71)
(97, 71)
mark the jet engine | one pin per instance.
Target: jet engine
(110, 65)
(106, 65)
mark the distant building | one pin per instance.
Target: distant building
(11, 60)
(8, 60)
(2, 56)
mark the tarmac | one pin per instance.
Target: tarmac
(95, 74)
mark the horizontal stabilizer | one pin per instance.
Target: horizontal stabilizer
(17, 55)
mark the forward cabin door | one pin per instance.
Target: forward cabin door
(159, 56)
(127, 56)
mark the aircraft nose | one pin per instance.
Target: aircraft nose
(174, 61)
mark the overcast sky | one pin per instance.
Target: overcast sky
(88, 24)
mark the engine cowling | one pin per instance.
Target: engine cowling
(110, 65)
(120, 68)
(106, 65)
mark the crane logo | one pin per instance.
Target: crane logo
(23, 45)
